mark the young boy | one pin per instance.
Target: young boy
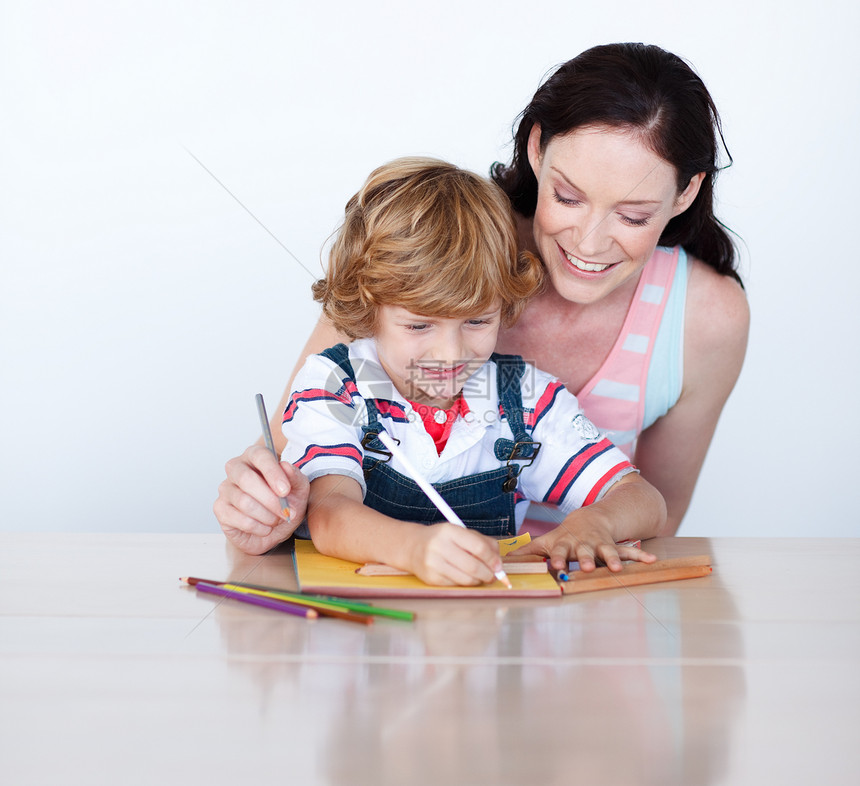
(422, 274)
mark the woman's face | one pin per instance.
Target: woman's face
(604, 199)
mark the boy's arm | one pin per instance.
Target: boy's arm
(631, 508)
(341, 525)
(575, 465)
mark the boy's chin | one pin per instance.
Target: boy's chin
(440, 398)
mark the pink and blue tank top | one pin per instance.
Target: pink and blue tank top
(640, 380)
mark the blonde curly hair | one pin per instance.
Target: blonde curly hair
(429, 237)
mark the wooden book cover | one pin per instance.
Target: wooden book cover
(329, 575)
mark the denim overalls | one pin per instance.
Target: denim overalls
(485, 501)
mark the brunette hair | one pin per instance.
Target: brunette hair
(429, 237)
(657, 95)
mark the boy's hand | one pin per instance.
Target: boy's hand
(584, 538)
(446, 555)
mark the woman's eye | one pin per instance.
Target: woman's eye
(565, 200)
(633, 222)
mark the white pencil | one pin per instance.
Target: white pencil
(444, 508)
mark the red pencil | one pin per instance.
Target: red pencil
(257, 600)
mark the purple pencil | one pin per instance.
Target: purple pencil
(256, 600)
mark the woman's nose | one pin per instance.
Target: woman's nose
(593, 237)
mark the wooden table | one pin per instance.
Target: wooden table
(113, 673)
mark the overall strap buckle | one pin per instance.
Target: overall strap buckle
(523, 450)
(509, 372)
(370, 443)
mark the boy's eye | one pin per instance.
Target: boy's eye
(479, 322)
(417, 326)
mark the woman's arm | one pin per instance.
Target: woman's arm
(343, 526)
(670, 453)
(247, 507)
(323, 336)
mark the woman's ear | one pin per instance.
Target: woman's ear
(686, 197)
(535, 154)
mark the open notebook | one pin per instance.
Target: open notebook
(332, 576)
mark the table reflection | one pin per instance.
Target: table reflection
(640, 683)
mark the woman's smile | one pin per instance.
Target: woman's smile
(585, 266)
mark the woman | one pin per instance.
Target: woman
(646, 321)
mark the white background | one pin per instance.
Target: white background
(142, 307)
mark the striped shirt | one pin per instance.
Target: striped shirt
(575, 466)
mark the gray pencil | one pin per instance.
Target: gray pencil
(267, 435)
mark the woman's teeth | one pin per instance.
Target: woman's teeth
(580, 265)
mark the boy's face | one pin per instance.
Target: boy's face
(429, 359)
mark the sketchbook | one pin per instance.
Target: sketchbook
(331, 576)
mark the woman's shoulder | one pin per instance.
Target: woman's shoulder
(717, 313)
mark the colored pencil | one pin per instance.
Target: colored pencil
(435, 497)
(638, 573)
(351, 602)
(257, 600)
(270, 444)
(324, 608)
(319, 602)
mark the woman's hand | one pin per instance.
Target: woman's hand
(248, 507)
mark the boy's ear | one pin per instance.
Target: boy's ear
(535, 154)
(686, 197)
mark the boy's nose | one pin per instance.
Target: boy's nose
(449, 349)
